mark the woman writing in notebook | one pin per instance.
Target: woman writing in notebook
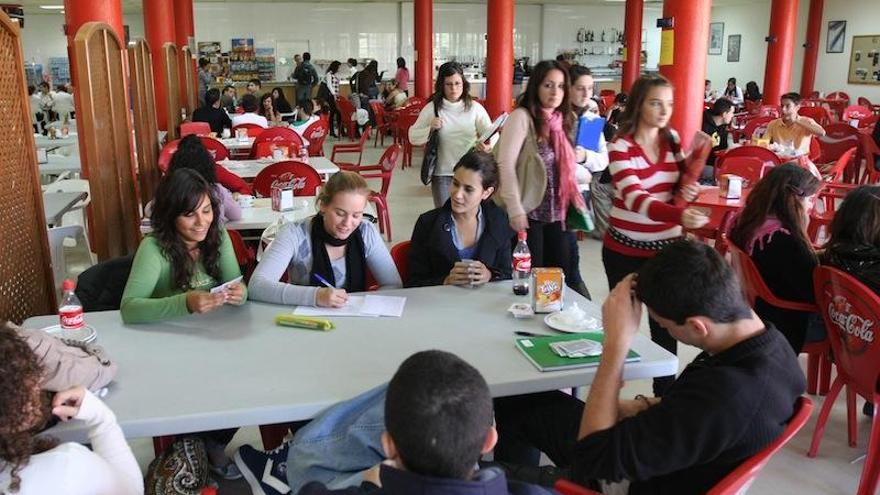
(326, 256)
(467, 227)
(646, 165)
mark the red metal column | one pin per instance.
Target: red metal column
(184, 29)
(499, 56)
(780, 49)
(423, 32)
(687, 70)
(632, 30)
(811, 47)
(159, 29)
(79, 12)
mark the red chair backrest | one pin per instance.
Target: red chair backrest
(303, 178)
(243, 254)
(749, 168)
(820, 114)
(315, 134)
(253, 130)
(836, 172)
(345, 107)
(768, 111)
(197, 128)
(607, 100)
(400, 255)
(851, 312)
(814, 94)
(388, 161)
(217, 149)
(607, 92)
(267, 149)
(838, 95)
(864, 102)
(565, 487)
(815, 149)
(856, 112)
(869, 121)
(378, 112)
(752, 106)
(165, 155)
(416, 101)
(277, 135)
(753, 284)
(758, 124)
(766, 156)
(838, 138)
(738, 480)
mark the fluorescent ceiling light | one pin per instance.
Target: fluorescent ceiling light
(52, 7)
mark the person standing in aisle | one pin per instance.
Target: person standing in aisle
(458, 120)
(402, 75)
(328, 92)
(306, 77)
(205, 79)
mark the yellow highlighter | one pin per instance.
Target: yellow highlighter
(289, 320)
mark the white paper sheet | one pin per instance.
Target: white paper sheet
(370, 306)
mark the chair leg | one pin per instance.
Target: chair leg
(162, 443)
(871, 471)
(822, 421)
(273, 435)
(825, 373)
(812, 373)
(851, 419)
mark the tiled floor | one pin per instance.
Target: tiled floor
(788, 472)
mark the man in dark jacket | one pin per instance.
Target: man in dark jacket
(716, 121)
(306, 78)
(733, 400)
(211, 113)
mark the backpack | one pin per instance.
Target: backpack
(182, 469)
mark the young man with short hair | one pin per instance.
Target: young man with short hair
(792, 128)
(732, 401)
(249, 104)
(211, 113)
(304, 118)
(254, 86)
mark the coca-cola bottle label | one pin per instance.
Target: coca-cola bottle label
(522, 263)
(71, 319)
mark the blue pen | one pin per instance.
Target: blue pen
(323, 280)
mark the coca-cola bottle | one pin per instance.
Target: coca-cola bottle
(522, 265)
(70, 311)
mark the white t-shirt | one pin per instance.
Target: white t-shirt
(301, 128)
(249, 118)
(109, 469)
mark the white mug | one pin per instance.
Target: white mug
(245, 201)
(277, 154)
(226, 133)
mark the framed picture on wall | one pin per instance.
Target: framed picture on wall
(733, 44)
(716, 38)
(836, 37)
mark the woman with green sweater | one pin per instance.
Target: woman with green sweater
(186, 255)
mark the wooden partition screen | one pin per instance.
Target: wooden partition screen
(188, 81)
(105, 138)
(26, 284)
(172, 87)
(140, 78)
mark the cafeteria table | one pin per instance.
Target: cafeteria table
(261, 215)
(248, 169)
(58, 164)
(52, 144)
(235, 144)
(56, 204)
(234, 367)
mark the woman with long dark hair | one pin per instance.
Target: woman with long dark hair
(854, 244)
(646, 162)
(772, 230)
(459, 121)
(279, 101)
(535, 142)
(328, 91)
(267, 109)
(402, 75)
(31, 464)
(192, 154)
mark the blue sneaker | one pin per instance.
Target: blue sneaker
(264, 470)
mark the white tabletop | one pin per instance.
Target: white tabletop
(235, 367)
(56, 204)
(248, 169)
(261, 215)
(44, 142)
(59, 164)
(238, 144)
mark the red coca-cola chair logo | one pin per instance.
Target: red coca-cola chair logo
(857, 331)
(287, 179)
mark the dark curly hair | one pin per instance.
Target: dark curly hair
(20, 375)
(191, 153)
(178, 194)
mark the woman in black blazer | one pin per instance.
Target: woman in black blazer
(467, 227)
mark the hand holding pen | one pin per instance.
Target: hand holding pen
(329, 296)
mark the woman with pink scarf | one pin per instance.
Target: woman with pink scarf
(537, 165)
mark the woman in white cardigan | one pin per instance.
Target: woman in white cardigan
(459, 121)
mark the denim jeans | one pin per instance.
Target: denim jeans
(340, 443)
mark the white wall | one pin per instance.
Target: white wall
(861, 18)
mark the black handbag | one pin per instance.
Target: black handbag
(429, 161)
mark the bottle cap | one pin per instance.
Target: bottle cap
(521, 235)
(68, 284)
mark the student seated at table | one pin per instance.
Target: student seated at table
(268, 110)
(394, 97)
(854, 244)
(304, 117)
(249, 105)
(709, 94)
(31, 465)
(732, 401)
(211, 113)
(772, 230)
(279, 101)
(228, 100)
(468, 226)
(733, 92)
(186, 255)
(254, 86)
(753, 93)
(715, 124)
(192, 154)
(793, 130)
(335, 246)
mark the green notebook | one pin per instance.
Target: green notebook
(537, 351)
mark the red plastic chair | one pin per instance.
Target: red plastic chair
(758, 124)
(277, 136)
(405, 120)
(400, 255)
(769, 111)
(303, 178)
(247, 259)
(382, 170)
(217, 149)
(818, 353)
(315, 134)
(850, 311)
(766, 156)
(253, 130)
(820, 114)
(838, 138)
(416, 101)
(867, 103)
(869, 152)
(752, 106)
(346, 110)
(197, 128)
(835, 173)
(383, 127)
(838, 95)
(813, 95)
(869, 122)
(815, 149)
(350, 148)
(856, 112)
(165, 155)
(749, 168)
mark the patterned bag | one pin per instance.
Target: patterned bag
(181, 470)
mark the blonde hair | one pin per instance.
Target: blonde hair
(341, 182)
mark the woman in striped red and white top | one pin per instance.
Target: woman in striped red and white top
(645, 163)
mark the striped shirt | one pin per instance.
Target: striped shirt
(642, 208)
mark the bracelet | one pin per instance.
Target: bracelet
(643, 399)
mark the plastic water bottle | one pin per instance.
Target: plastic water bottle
(71, 310)
(522, 265)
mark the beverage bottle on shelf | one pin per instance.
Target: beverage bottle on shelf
(70, 311)
(522, 265)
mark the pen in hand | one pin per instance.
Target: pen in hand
(322, 280)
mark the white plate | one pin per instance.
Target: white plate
(85, 334)
(588, 324)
